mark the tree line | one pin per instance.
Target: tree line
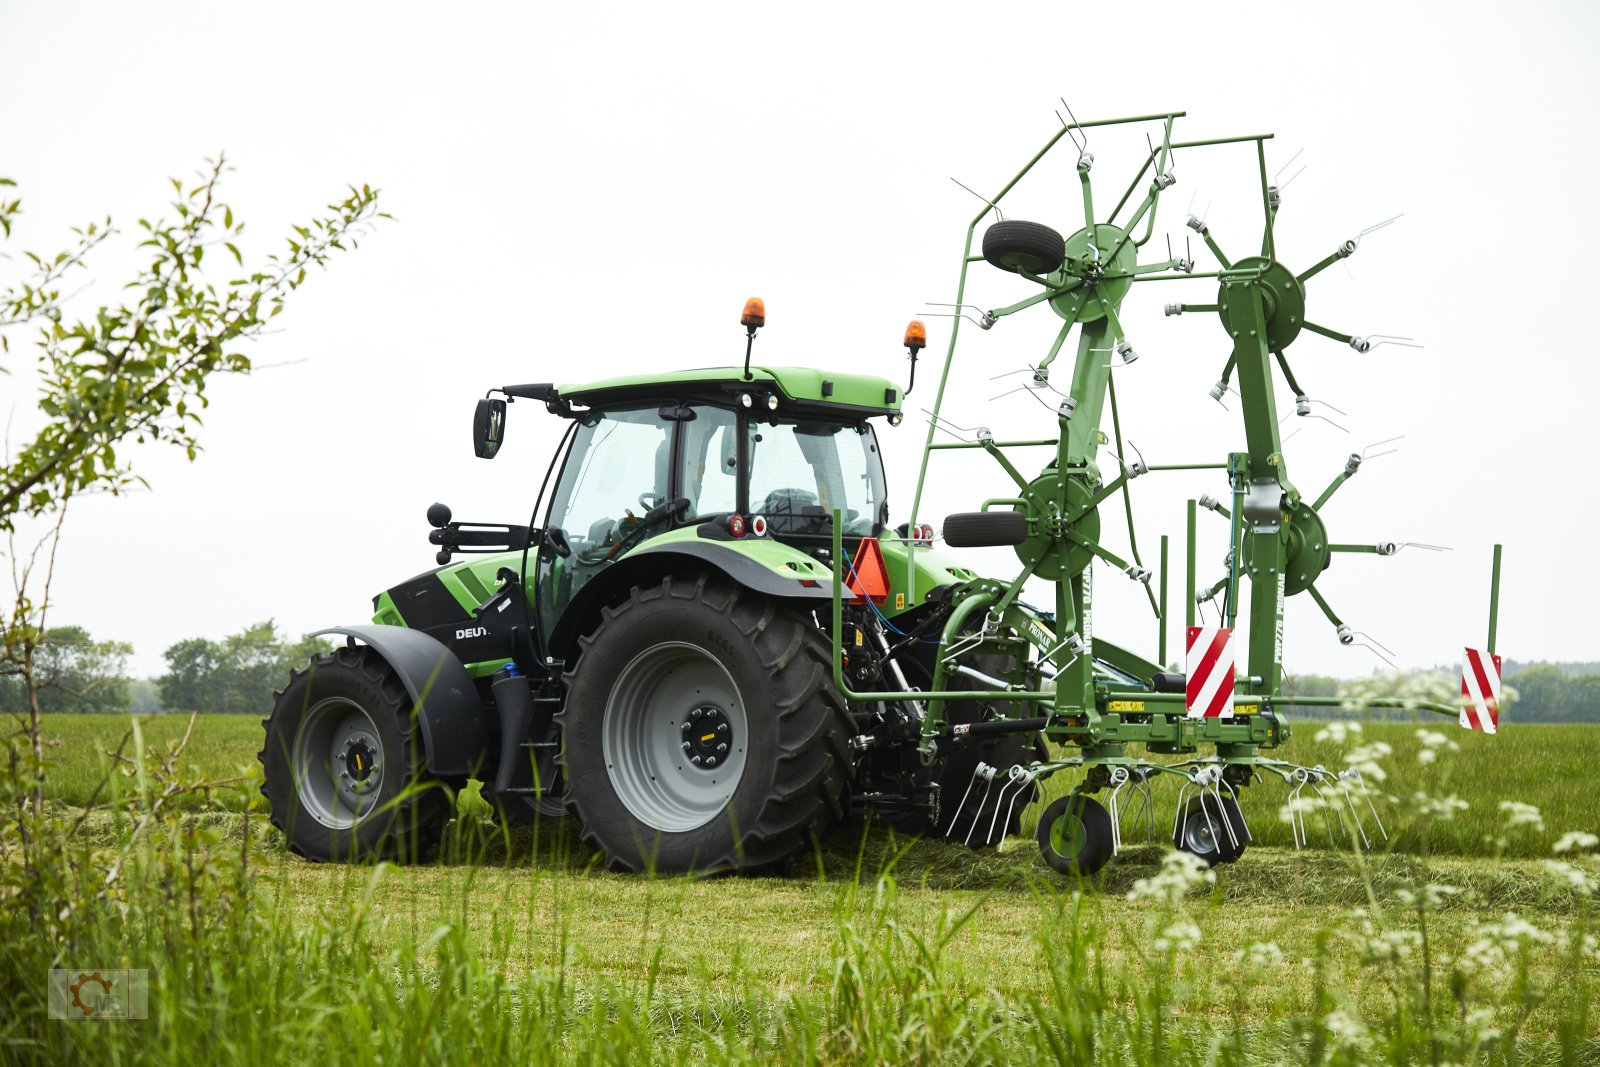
(236, 673)
(239, 672)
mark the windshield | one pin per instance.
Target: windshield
(801, 471)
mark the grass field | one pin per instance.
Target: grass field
(1541, 765)
(877, 949)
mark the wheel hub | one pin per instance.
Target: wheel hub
(1199, 835)
(359, 759)
(707, 737)
(1283, 300)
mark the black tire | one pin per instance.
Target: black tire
(399, 817)
(984, 529)
(768, 680)
(1075, 835)
(1203, 830)
(1031, 247)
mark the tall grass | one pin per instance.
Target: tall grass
(515, 948)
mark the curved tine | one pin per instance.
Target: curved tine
(957, 816)
(1297, 819)
(1177, 818)
(1327, 821)
(977, 812)
(1014, 797)
(1207, 815)
(1147, 810)
(1374, 808)
(997, 802)
(1354, 815)
(1222, 816)
(1248, 836)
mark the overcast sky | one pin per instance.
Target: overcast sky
(586, 190)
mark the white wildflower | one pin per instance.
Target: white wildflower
(1575, 841)
(1573, 875)
(1519, 814)
(1337, 732)
(1346, 1031)
(1438, 807)
(1497, 944)
(1480, 1023)
(1181, 936)
(1434, 739)
(1259, 954)
(1180, 872)
(1366, 759)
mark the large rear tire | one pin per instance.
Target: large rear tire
(702, 731)
(343, 766)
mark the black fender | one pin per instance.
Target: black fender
(651, 564)
(455, 724)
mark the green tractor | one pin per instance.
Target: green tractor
(651, 654)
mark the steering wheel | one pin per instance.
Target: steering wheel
(649, 500)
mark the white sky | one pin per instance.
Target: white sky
(585, 190)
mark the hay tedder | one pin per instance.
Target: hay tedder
(1111, 708)
(708, 644)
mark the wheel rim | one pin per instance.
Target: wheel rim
(1068, 835)
(338, 763)
(1199, 835)
(670, 707)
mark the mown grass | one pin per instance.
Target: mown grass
(1536, 764)
(520, 946)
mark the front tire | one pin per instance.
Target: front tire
(702, 731)
(343, 766)
(1213, 831)
(1075, 835)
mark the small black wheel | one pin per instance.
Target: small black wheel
(1030, 247)
(702, 731)
(1075, 835)
(1214, 832)
(343, 766)
(985, 529)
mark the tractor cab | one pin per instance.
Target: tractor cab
(714, 457)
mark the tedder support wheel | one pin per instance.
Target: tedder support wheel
(343, 766)
(1204, 829)
(1031, 247)
(1075, 835)
(702, 732)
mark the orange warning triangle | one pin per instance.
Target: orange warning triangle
(869, 574)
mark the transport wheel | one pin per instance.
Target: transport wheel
(702, 731)
(1031, 247)
(1075, 835)
(1203, 830)
(343, 766)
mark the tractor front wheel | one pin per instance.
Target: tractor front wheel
(702, 731)
(343, 765)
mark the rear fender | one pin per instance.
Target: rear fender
(649, 565)
(455, 724)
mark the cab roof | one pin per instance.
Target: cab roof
(803, 388)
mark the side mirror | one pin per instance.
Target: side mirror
(488, 427)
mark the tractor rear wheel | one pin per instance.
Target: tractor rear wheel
(343, 765)
(702, 732)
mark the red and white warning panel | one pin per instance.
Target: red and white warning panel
(1480, 691)
(1209, 693)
